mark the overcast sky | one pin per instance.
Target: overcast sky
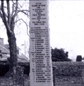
(67, 25)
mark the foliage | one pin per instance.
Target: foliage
(59, 55)
(74, 69)
(79, 58)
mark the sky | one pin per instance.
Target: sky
(66, 23)
(67, 26)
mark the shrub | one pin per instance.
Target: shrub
(79, 58)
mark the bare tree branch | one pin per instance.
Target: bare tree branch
(1, 15)
(24, 12)
(4, 17)
(8, 11)
(16, 9)
(12, 7)
(24, 23)
(0, 11)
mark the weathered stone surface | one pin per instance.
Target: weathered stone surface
(40, 58)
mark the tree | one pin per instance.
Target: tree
(79, 58)
(9, 11)
(59, 55)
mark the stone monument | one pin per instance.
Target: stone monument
(40, 55)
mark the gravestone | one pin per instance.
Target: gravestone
(40, 58)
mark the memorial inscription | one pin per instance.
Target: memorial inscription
(40, 59)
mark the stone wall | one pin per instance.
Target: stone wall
(68, 73)
(64, 74)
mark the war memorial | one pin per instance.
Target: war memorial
(43, 72)
(40, 58)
